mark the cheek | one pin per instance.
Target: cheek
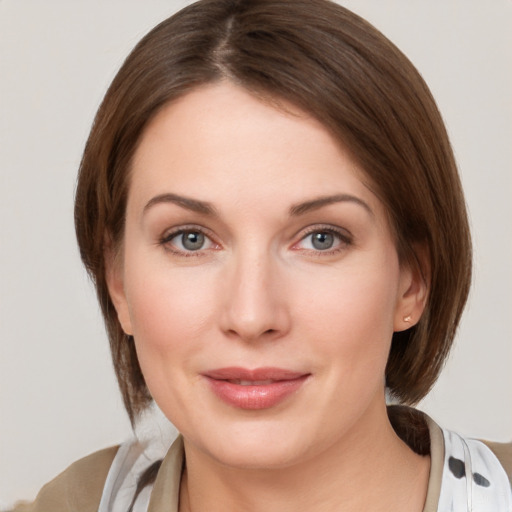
(351, 315)
(169, 308)
(171, 317)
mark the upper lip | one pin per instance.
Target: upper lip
(256, 374)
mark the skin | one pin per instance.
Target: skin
(259, 293)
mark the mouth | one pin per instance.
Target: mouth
(261, 388)
(251, 382)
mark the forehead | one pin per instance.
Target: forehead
(221, 139)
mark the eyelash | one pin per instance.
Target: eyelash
(344, 238)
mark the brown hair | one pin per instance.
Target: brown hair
(334, 65)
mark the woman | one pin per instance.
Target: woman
(270, 210)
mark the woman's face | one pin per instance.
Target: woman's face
(259, 279)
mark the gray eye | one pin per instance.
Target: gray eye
(192, 240)
(322, 240)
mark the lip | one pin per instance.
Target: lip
(259, 388)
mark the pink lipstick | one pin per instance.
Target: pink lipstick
(260, 388)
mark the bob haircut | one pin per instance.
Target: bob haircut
(335, 66)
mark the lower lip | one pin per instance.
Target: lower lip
(255, 397)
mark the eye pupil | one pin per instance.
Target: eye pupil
(192, 240)
(322, 240)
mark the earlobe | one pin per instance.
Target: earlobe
(413, 294)
(115, 285)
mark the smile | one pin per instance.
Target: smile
(261, 388)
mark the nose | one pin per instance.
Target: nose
(255, 306)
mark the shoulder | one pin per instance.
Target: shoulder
(79, 487)
(474, 474)
(466, 473)
(424, 436)
(503, 452)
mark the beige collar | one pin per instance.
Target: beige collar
(166, 490)
(436, 465)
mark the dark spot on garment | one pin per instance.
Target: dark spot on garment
(481, 480)
(457, 467)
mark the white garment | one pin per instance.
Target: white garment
(154, 434)
(473, 478)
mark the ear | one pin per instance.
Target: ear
(413, 292)
(114, 276)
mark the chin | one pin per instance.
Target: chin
(256, 446)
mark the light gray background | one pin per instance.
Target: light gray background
(58, 397)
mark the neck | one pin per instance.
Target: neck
(369, 469)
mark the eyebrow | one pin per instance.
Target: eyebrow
(202, 207)
(319, 202)
(205, 208)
